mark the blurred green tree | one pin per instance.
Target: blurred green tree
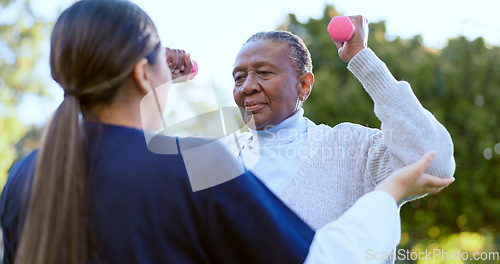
(22, 35)
(459, 84)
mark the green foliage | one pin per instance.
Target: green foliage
(459, 84)
(21, 38)
(461, 248)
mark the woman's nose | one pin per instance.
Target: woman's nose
(251, 85)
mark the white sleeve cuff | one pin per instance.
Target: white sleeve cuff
(370, 228)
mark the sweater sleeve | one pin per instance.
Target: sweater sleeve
(408, 130)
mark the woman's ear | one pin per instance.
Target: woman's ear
(141, 77)
(306, 81)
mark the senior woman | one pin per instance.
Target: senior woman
(317, 170)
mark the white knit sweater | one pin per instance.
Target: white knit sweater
(339, 164)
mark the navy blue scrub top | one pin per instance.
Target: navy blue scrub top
(143, 209)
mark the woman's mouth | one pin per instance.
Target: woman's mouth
(252, 107)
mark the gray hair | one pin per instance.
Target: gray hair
(298, 54)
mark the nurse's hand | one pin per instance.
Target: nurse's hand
(411, 180)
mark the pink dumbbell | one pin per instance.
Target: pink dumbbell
(340, 29)
(194, 71)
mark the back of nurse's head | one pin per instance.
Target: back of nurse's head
(299, 55)
(95, 45)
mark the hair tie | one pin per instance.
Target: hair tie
(72, 92)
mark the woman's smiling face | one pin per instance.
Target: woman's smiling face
(266, 84)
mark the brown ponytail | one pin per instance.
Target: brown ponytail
(57, 219)
(94, 47)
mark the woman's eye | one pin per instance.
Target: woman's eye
(239, 78)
